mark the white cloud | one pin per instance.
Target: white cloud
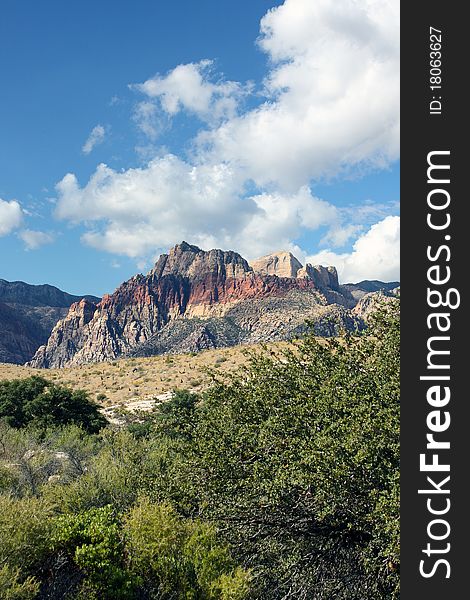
(95, 138)
(333, 94)
(280, 219)
(137, 211)
(144, 209)
(375, 255)
(340, 235)
(331, 105)
(35, 239)
(11, 216)
(146, 117)
(189, 87)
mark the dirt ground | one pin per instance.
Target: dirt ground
(138, 379)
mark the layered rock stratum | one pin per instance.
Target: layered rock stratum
(193, 300)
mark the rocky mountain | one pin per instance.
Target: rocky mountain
(370, 302)
(359, 290)
(28, 314)
(193, 300)
(282, 264)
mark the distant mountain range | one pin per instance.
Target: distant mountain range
(28, 314)
(359, 290)
(191, 300)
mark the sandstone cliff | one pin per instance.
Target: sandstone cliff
(282, 264)
(194, 299)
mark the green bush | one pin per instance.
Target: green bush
(36, 401)
(180, 558)
(151, 553)
(25, 526)
(31, 458)
(298, 462)
(93, 540)
(13, 588)
(175, 417)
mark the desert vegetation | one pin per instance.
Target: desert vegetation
(278, 479)
(129, 379)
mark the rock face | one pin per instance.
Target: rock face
(28, 314)
(282, 264)
(372, 301)
(194, 299)
(24, 294)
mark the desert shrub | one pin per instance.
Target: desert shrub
(31, 457)
(115, 475)
(13, 587)
(77, 448)
(298, 460)
(149, 553)
(180, 558)
(175, 418)
(36, 401)
(25, 527)
(93, 541)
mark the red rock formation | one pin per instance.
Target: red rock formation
(187, 282)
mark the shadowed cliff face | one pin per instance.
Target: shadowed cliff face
(201, 288)
(28, 314)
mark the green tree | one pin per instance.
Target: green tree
(44, 404)
(17, 393)
(175, 417)
(298, 461)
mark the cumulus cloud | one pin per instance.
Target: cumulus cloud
(282, 218)
(340, 235)
(153, 207)
(35, 239)
(332, 94)
(134, 212)
(329, 105)
(189, 87)
(375, 255)
(95, 138)
(11, 216)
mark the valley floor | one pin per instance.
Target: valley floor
(135, 380)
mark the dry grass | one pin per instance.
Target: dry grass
(125, 380)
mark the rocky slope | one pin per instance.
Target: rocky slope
(371, 302)
(359, 290)
(193, 300)
(28, 314)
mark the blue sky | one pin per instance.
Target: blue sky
(253, 126)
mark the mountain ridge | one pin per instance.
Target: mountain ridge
(28, 313)
(19, 292)
(194, 299)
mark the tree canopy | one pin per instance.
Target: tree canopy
(35, 400)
